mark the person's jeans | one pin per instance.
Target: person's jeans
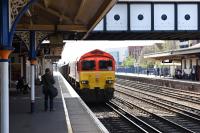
(48, 97)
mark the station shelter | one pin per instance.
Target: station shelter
(189, 58)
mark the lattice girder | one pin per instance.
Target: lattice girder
(25, 36)
(40, 36)
(15, 8)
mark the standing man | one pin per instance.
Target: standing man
(193, 73)
(158, 71)
(48, 81)
(147, 71)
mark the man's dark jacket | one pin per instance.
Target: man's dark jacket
(47, 81)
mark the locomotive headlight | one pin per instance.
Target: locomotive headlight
(84, 82)
(109, 81)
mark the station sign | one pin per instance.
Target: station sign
(52, 57)
(167, 61)
(52, 45)
(53, 51)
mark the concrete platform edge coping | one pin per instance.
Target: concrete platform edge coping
(96, 120)
(74, 94)
(68, 123)
(157, 78)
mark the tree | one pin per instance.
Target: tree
(147, 63)
(129, 61)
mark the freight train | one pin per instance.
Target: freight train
(92, 76)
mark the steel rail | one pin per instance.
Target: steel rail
(166, 121)
(133, 119)
(177, 96)
(167, 103)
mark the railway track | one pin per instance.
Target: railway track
(138, 107)
(160, 123)
(118, 121)
(170, 104)
(165, 91)
(173, 115)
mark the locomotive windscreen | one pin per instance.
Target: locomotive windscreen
(88, 65)
(105, 65)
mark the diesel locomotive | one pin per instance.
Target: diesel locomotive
(92, 76)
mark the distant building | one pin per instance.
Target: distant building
(183, 44)
(161, 47)
(119, 54)
(188, 43)
(188, 58)
(194, 42)
(115, 54)
(135, 51)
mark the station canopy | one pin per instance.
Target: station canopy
(59, 20)
(75, 18)
(177, 54)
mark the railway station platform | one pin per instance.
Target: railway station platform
(162, 81)
(71, 114)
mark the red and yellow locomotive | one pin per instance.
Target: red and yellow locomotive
(92, 76)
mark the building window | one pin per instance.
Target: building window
(184, 64)
(198, 62)
(190, 63)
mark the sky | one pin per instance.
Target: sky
(74, 49)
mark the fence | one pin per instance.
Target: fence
(148, 71)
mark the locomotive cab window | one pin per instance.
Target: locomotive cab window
(88, 65)
(105, 65)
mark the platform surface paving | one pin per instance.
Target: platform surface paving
(79, 118)
(22, 121)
